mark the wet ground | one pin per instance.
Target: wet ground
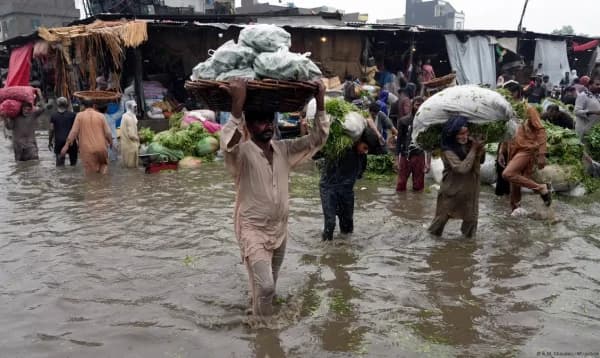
(136, 265)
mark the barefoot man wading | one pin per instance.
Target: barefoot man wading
(261, 167)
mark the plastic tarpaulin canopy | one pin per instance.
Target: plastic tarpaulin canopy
(19, 67)
(474, 60)
(553, 57)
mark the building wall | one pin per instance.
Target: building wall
(25, 16)
(432, 14)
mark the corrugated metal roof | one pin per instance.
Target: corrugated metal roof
(314, 22)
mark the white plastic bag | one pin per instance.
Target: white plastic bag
(265, 38)
(479, 105)
(488, 173)
(285, 65)
(354, 125)
(436, 170)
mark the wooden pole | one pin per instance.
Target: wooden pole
(520, 27)
(138, 80)
(522, 16)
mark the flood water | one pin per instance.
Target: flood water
(137, 265)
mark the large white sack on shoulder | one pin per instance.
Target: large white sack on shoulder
(437, 169)
(265, 38)
(354, 125)
(479, 105)
(488, 170)
(559, 176)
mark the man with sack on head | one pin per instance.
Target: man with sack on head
(261, 168)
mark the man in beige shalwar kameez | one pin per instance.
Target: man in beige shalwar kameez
(261, 168)
(94, 137)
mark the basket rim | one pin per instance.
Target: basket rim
(98, 95)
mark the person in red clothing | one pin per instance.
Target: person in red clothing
(411, 159)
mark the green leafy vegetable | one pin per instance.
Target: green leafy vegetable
(146, 135)
(338, 141)
(175, 120)
(592, 142)
(493, 132)
(185, 140)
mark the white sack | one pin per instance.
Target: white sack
(479, 105)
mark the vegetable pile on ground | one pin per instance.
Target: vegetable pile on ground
(592, 141)
(380, 166)
(191, 141)
(565, 153)
(146, 135)
(338, 141)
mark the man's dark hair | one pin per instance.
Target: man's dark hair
(552, 108)
(102, 107)
(87, 103)
(546, 77)
(256, 116)
(374, 107)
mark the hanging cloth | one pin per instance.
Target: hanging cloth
(19, 67)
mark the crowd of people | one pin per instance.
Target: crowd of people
(89, 136)
(261, 164)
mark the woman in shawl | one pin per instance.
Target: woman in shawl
(459, 193)
(130, 141)
(527, 149)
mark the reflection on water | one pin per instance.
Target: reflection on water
(136, 265)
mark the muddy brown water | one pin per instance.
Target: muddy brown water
(136, 265)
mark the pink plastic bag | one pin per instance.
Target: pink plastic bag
(10, 108)
(187, 120)
(211, 127)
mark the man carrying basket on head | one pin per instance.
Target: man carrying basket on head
(261, 168)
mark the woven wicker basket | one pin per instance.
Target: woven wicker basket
(266, 95)
(100, 97)
(440, 81)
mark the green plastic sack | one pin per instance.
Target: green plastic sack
(230, 56)
(237, 73)
(285, 65)
(265, 38)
